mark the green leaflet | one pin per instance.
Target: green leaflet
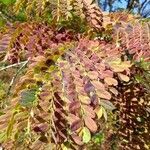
(10, 126)
(28, 98)
(98, 138)
(2, 137)
(107, 105)
(7, 2)
(86, 135)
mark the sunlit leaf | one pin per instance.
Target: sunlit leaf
(98, 85)
(118, 66)
(99, 112)
(113, 90)
(91, 124)
(98, 138)
(111, 81)
(2, 137)
(86, 135)
(88, 111)
(103, 94)
(123, 77)
(84, 99)
(104, 113)
(7, 2)
(93, 75)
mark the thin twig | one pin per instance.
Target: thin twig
(14, 77)
(13, 65)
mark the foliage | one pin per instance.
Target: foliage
(82, 85)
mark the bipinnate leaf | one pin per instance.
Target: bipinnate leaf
(86, 135)
(91, 124)
(107, 104)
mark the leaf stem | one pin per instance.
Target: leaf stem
(13, 65)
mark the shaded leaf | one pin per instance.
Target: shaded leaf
(74, 106)
(27, 97)
(107, 104)
(72, 118)
(98, 138)
(76, 125)
(88, 87)
(77, 139)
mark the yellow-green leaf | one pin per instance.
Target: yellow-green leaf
(86, 135)
(84, 99)
(99, 112)
(104, 113)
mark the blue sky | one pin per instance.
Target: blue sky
(123, 4)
